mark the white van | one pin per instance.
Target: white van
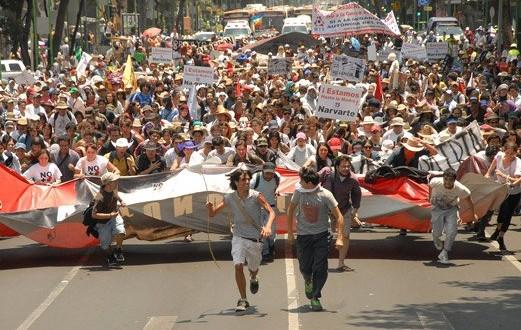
(237, 29)
(295, 24)
(11, 68)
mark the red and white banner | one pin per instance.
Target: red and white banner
(390, 21)
(349, 19)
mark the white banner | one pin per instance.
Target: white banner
(279, 65)
(390, 21)
(347, 68)
(161, 55)
(414, 51)
(338, 102)
(25, 78)
(195, 75)
(436, 50)
(83, 64)
(348, 19)
(455, 150)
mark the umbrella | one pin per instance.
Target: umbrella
(151, 32)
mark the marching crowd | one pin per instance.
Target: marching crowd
(65, 126)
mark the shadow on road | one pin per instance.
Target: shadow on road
(499, 311)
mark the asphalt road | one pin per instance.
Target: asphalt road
(176, 285)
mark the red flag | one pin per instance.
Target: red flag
(379, 92)
(238, 91)
(461, 86)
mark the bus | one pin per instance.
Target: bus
(304, 10)
(273, 18)
(238, 14)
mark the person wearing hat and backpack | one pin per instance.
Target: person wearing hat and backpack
(61, 117)
(266, 182)
(110, 224)
(121, 158)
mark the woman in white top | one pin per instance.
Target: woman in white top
(43, 172)
(190, 157)
(93, 164)
(507, 168)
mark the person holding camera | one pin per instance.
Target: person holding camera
(150, 162)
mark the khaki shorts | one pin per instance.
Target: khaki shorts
(347, 223)
(246, 250)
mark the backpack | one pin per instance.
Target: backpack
(89, 221)
(257, 180)
(56, 114)
(112, 156)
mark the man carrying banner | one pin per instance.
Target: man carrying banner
(248, 230)
(445, 193)
(312, 205)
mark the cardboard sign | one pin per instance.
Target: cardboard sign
(161, 55)
(25, 78)
(347, 68)
(196, 75)
(383, 54)
(279, 65)
(371, 53)
(436, 50)
(338, 102)
(414, 51)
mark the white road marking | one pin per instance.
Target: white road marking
(291, 284)
(511, 258)
(35, 315)
(161, 323)
(433, 319)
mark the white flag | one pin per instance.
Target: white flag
(82, 64)
(192, 104)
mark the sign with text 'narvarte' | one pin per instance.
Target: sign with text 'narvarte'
(196, 75)
(414, 51)
(436, 50)
(454, 150)
(279, 65)
(160, 55)
(338, 102)
(347, 68)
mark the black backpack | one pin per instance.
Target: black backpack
(89, 221)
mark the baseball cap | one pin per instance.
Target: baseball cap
(335, 144)
(20, 145)
(301, 135)
(262, 142)
(268, 167)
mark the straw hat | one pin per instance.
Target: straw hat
(222, 111)
(368, 120)
(396, 121)
(413, 144)
(136, 123)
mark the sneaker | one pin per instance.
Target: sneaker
(438, 243)
(443, 257)
(501, 243)
(118, 254)
(403, 232)
(111, 261)
(254, 286)
(316, 306)
(242, 304)
(494, 235)
(308, 289)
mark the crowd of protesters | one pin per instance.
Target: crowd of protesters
(66, 126)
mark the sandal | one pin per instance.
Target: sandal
(344, 268)
(188, 238)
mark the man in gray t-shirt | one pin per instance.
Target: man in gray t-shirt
(248, 229)
(312, 205)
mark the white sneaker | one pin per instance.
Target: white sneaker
(438, 243)
(443, 257)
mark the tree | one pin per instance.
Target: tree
(180, 15)
(507, 25)
(78, 19)
(58, 28)
(24, 38)
(13, 9)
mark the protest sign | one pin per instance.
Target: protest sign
(371, 52)
(347, 68)
(414, 51)
(25, 78)
(338, 102)
(279, 65)
(436, 50)
(195, 75)
(348, 19)
(83, 64)
(390, 21)
(178, 43)
(454, 150)
(383, 54)
(161, 55)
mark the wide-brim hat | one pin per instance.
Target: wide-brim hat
(122, 143)
(396, 121)
(413, 144)
(109, 177)
(61, 105)
(222, 111)
(368, 120)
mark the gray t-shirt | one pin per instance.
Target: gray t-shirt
(312, 210)
(241, 226)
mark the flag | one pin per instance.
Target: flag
(83, 64)
(238, 91)
(470, 84)
(78, 53)
(192, 103)
(129, 77)
(379, 92)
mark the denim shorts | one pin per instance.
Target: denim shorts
(110, 229)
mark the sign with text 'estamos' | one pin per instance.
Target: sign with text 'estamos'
(338, 102)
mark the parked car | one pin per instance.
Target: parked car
(444, 25)
(11, 68)
(204, 36)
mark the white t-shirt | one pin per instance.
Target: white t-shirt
(444, 198)
(97, 167)
(224, 157)
(48, 174)
(514, 170)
